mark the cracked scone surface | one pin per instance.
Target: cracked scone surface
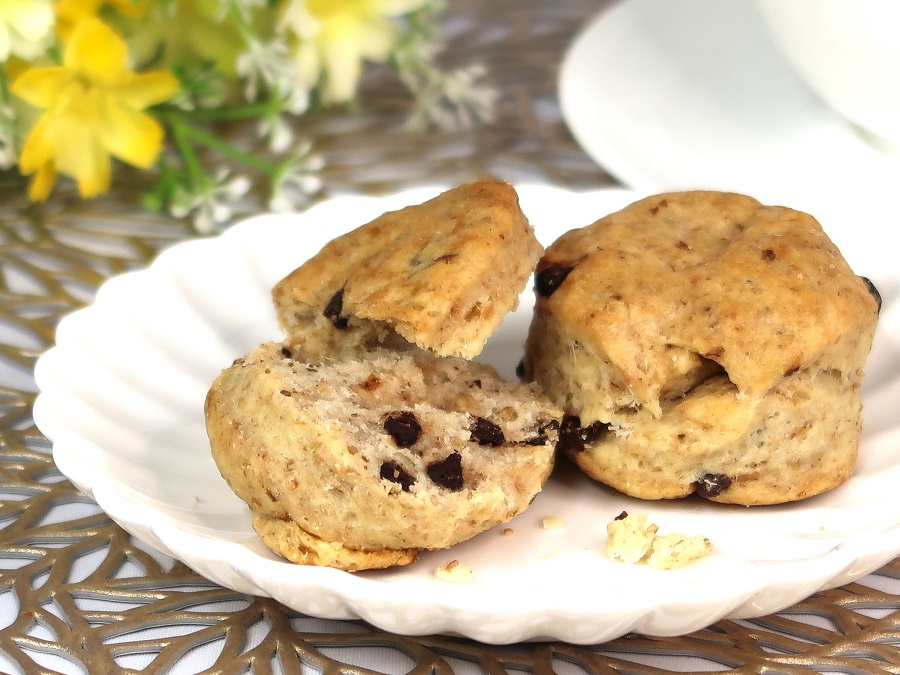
(362, 463)
(703, 342)
(441, 274)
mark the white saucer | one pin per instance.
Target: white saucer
(669, 94)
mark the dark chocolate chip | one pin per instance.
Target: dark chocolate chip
(769, 255)
(541, 437)
(711, 485)
(395, 473)
(520, 369)
(549, 279)
(476, 383)
(333, 310)
(485, 432)
(285, 392)
(874, 291)
(621, 516)
(574, 438)
(286, 353)
(403, 427)
(570, 439)
(448, 472)
(594, 432)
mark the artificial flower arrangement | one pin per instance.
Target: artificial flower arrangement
(85, 84)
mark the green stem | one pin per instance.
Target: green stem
(224, 147)
(195, 170)
(242, 112)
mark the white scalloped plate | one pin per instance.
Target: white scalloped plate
(122, 399)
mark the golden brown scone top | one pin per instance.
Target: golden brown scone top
(442, 274)
(760, 290)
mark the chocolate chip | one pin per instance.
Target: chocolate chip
(570, 439)
(485, 432)
(286, 353)
(621, 516)
(874, 291)
(594, 432)
(333, 310)
(573, 438)
(476, 384)
(403, 427)
(549, 279)
(395, 473)
(769, 255)
(711, 485)
(541, 437)
(285, 392)
(520, 369)
(448, 472)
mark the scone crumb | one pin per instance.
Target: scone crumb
(553, 522)
(507, 531)
(672, 551)
(632, 538)
(453, 573)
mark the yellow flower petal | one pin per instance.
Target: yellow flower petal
(38, 148)
(343, 63)
(97, 51)
(146, 89)
(131, 136)
(83, 158)
(376, 39)
(40, 86)
(42, 183)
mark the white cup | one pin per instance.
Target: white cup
(848, 52)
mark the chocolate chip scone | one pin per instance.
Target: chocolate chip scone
(360, 464)
(701, 342)
(441, 275)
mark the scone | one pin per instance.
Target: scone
(701, 342)
(441, 275)
(362, 463)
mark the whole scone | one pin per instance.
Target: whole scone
(441, 275)
(701, 342)
(362, 463)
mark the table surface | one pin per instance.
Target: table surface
(78, 594)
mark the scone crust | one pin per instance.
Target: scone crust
(688, 288)
(442, 274)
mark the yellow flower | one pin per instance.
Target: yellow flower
(92, 110)
(69, 13)
(25, 26)
(334, 37)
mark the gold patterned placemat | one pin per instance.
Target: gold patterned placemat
(89, 598)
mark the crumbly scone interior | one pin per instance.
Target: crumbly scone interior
(392, 451)
(445, 396)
